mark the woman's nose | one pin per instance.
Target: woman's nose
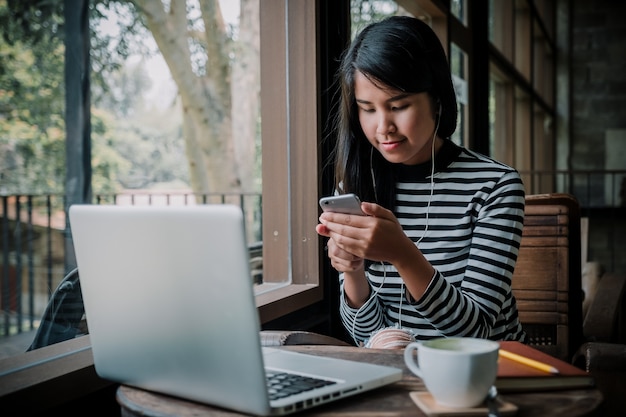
(385, 124)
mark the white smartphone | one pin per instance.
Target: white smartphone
(344, 203)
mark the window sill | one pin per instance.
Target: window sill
(44, 378)
(277, 300)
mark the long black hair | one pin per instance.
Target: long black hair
(399, 52)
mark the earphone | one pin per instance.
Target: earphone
(437, 117)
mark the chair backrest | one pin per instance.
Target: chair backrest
(547, 278)
(63, 318)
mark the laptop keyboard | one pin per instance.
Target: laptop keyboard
(282, 384)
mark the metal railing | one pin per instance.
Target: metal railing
(33, 232)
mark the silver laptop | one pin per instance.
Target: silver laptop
(170, 308)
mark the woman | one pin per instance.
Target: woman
(435, 253)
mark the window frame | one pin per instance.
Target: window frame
(290, 120)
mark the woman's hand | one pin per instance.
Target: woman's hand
(342, 260)
(377, 236)
(356, 287)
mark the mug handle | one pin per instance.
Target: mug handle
(408, 358)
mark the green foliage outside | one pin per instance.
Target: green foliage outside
(133, 145)
(31, 109)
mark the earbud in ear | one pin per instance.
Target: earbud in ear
(437, 115)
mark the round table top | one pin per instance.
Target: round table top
(391, 400)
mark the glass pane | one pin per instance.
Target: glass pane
(364, 12)
(182, 123)
(543, 150)
(168, 126)
(458, 68)
(522, 34)
(458, 8)
(190, 131)
(522, 133)
(543, 69)
(32, 172)
(546, 10)
(500, 124)
(500, 24)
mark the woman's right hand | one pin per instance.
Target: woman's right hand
(356, 287)
(343, 261)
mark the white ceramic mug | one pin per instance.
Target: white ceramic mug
(457, 371)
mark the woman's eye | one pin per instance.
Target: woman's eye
(398, 108)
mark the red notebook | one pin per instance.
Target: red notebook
(516, 376)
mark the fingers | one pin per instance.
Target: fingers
(374, 236)
(322, 230)
(343, 218)
(342, 260)
(342, 266)
(334, 251)
(372, 209)
(347, 225)
(348, 232)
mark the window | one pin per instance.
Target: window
(522, 89)
(290, 132)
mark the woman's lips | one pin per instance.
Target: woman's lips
(390, 146)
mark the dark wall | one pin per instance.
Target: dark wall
(598, 124)
(598, 75)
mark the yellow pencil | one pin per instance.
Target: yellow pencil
(527, 361)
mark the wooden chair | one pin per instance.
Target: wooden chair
(547, 278)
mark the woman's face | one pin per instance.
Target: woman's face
(400, 125)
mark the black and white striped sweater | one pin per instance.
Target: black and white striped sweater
(474, 228)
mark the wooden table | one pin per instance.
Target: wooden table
(392, 400)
